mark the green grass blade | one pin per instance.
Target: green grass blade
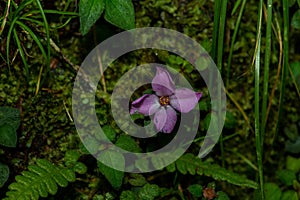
(285, 60)
(266, 71)
(220, 57)
(236, 5)
(64, 24)
(34, 37)
(257, 100)
(22, 54)
(238, 21)
(217, 9)
(5, 16)
(3, 57)
(11, 27)
(58, 12)
(28, 19)
(20, 7)
(221, 34)
(47, 34)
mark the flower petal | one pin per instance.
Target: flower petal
(147, 105)
(162, 83)
(165, 119)
(184, 99)
(160, 118)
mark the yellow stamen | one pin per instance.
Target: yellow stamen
(164, 100)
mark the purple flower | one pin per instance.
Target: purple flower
(165, 101)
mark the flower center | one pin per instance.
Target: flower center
(164, 100)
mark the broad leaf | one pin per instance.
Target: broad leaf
(286, 176)
(291, 2)
(10, 116)
(289, 195)
(9, 123)
(272, 191)
(114, 177)
(296, 20)
(8, 136)
(293, 163)
(295, 72)
(109, 132)
(4, 174)
(222, 196)
(137, 180)
(293, 146)
(89, 12)
(128, 195)
(128, 143)
(120, 13)
(149, 191)
(195, 190)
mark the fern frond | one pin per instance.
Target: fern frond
(191, 164)
(39, 181)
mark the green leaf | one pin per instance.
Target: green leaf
(236, 5)
(71, 157)
(289, 195)
(291, 131)
(295, 69)
(89, 12)
(171, 167)
(4, 174)
(9, 123)
(149, 192)
(293, 163)
(296, 20)
(127, 195)
(207, 121)
(293, 146)
(203, 63)
(230, 120)
(291, 2)
(142, 165)
(10, 116)
(80, 168)
(272, 191)
(93, 146)
(195, 190)
(114, 177)
(191, 164)
(109, 132)
(50, 168)
(137, 180)
(128, 143)
(222, 196)
(40, 180)
(8, 136)
(286, 176)
(120, 13)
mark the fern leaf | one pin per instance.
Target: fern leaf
(69, 175)
(41, 179)
(56, 176)
(191, 164)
